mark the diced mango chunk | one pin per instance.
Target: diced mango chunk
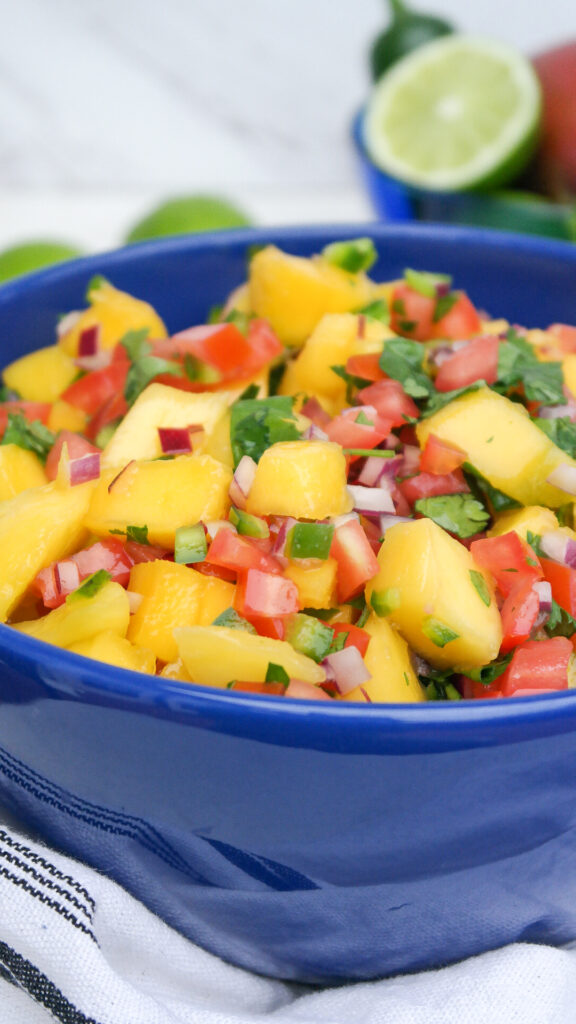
(316, 582)
(42, 375)
(176, 670)
(116, 650)
(116, 312)
(64, 416)
(304, 479)
(432, 590)
(388, 660)
(502, 443)
(82, 618)
(215, 655)
(173, 595)
(161, 495)
(533, 518)
(19, 470)
(293, 293)
(37, 527)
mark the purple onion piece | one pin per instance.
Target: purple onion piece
(348, 668)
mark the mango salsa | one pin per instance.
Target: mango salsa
(338, 489)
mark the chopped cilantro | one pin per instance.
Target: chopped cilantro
(196, 370)
(444, 304)
(364, 420)
(136, 344)
(437, 690)
(353, 256)
(497, 500)
(488, 673)
(34, 437)
(338, 642)
(438, 632)
(136, 533)
(402, 359)
(230, 618)
(377, 310)
(91, 585)
(461, 514)
(560, 622)
(6, 395)
(518, 364)
(533, 539)
(143, 371)
(479, 584)
(249, 392)
(562, 432)
(426, 283)
(255, 424)
(239, 319)
(276, 674)
(438, 399)
(352, 381)
(364, 616)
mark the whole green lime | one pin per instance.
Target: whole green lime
(22, 259)
(188, 214)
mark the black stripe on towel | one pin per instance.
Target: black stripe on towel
(40, 988)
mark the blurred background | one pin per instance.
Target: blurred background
(110, 106)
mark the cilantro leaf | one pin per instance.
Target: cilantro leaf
(461, 514)
(519, 364)
(143, 371)
(276, 674)
(377, 310)
(444, 305)
(136, 344)
(482, 489)
(352, 381)
(402, 360)
(34, 437)
(562, 432)
(488, 673)
(438, 399)
(255, 424)
(560, 622)
(533, 539)
(137, 533)
(232, 620)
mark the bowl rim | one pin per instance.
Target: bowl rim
(347, 726)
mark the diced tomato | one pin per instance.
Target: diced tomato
(440, 457)
(115, 408)
(225, 348)
(235, 551)
(566, 335)
(478, 361)
(264, 344)
(347, 431)
(373, 533)
(472, 690)
(275, 628)
(461, 321)
(519, 613)
(272, 689)
(91, 391)
(411, 313)
(265, 594)
(428, 485)
(109, 554)
(77, 447)
(357, 562)
(366, 366)
(144, 552)
(315, 412)
(536, 666)
(229, 575)
(390, 401)
(562, 579)
(29, 410)
(508, 558)
(357, 637)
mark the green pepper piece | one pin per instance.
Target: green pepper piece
(407, 31)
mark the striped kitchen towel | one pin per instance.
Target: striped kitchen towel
(75, 948)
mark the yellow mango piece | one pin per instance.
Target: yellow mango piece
(316, 581)
(336, 337)
(502, 443)
(161, 495)
(19, 470)
(304, 479)
(116, 650)
(533, 518)
(293, 293)
(172, 595)
(64, 416)
(394, 680)
(81, 618)
(116, 313)
(217, 442)
(569, 372)
(215, 655)
(38, 526)
(425, 580)
(161, 406)
(42, 375)
(176, 670)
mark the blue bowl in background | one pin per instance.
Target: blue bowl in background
(310, 841)
(516, 211)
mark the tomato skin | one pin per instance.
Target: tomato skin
(109, 554)
(91, 391)
(428, 485)
(225, 348)
(562, 580)
(357, 637)
(519, 613)
(565, 334)
(462, 321)
(411, 314)
(245, 686)
(441, 458)
(478, 361)
(357, 562)
(29, 410)
(509, 559)
(265, 594)
(144, 552)
(275, 628)
(472, 690)
(538, 665)
(233, 551)
(77, 447)
(366, 366)
(390, 401)
(115, 408)
(346, 431)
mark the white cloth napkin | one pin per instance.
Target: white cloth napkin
(75, 948)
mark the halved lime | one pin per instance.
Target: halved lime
(188, 214)
(461, 112)
(22, 259)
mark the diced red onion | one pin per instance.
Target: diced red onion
(391, 442)
(86, 467)
(314, 433)
(442, 288)
(213, 526)
(175, 440)
(66, 576)
(386, 521)
(556, 412)
(89, 340)
(544, 591)
(99, 361)
(299, 688)
(371, 499)
(372, 470)
(312, 410)
(366, 695)
(134, 600)
(559, 547)
(242, 481)
(67, 322)
(338, 521)
(348, 668)
(113, 483)
(564, 478)
(411, 463)
(282, 535)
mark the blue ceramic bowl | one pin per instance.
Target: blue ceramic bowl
(517, 211)
(299, 839)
